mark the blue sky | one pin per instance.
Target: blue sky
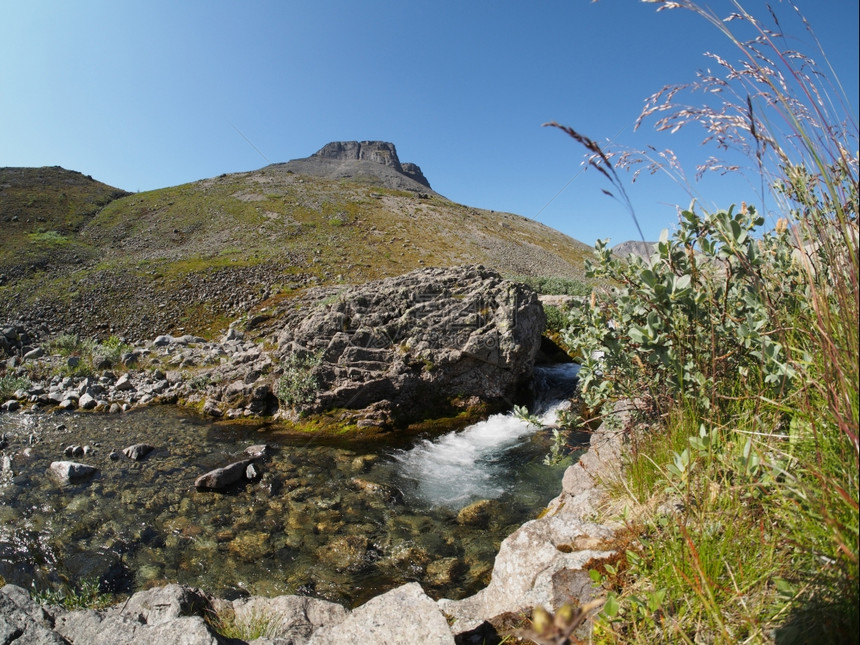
(143, 95)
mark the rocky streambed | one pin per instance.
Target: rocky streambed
(341, 521)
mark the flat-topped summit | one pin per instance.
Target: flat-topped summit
(381, 152)
(374, 161)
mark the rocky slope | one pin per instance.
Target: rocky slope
(191, 258)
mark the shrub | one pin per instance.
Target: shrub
(298, 385)
(746, 342)
(10, 384)
(86, 595)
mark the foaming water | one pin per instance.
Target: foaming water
(481, 461)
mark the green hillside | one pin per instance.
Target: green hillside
(192, 257)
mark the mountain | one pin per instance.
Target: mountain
(81, 256)
(375, 162)
(634, 247)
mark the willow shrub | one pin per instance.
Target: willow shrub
(746, 341)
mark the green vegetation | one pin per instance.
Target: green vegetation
(556, 319)
(48, 238)
(86, 595)
(555, 286)
(247, 627)
(741, 347)
(10, 384)
(297, 386)
(88, 355)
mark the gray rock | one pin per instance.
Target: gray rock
(24, 622)
(10, 406)
(163, 340)
(412, 346)
(92, 628)
(87, 402)
(258, 451)
(211, 408)
(33, 354)
(402, 615)
(223, 477)
(373, 161)
(138, 451)
(124, 384)
(70, 472)
(292, 618)
(74, 451)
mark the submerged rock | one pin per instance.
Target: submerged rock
(223, 477)
(138, 451)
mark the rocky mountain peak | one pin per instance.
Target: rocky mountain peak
(381, 152)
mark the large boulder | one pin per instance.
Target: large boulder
(414, 346)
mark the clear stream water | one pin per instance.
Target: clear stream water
(342, 521)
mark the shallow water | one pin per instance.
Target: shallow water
(339, 521)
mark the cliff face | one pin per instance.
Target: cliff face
(372, 159)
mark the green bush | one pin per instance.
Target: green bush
(743, 499)
(554, 286)
(86, 595)
(297, 386)
(10, 384)
(556, 319)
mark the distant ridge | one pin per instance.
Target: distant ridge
(369, 161)
(634, 247)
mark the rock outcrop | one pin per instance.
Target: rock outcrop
(376, 161)
(380, 152)
(407, 348)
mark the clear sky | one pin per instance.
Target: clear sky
(143, 95)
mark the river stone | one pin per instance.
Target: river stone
(445, 571)
(258, 451)
(138, 451)
(70, 472)
(347, 552)
(380, 491)
(477, 514)
(403, 615)
(124, 383)
(223, 477)
(87, 402)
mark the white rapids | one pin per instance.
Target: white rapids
(475, 463)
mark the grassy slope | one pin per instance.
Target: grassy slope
(273, 229)
(41, 210)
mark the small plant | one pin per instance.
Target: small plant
(87, 595)
(298, 385)
(110, 351)
(10, 384)
(556, 319)
(247, 626)
(70, 345)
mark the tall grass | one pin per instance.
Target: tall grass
(747, 343)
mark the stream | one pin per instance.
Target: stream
(339, 520)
